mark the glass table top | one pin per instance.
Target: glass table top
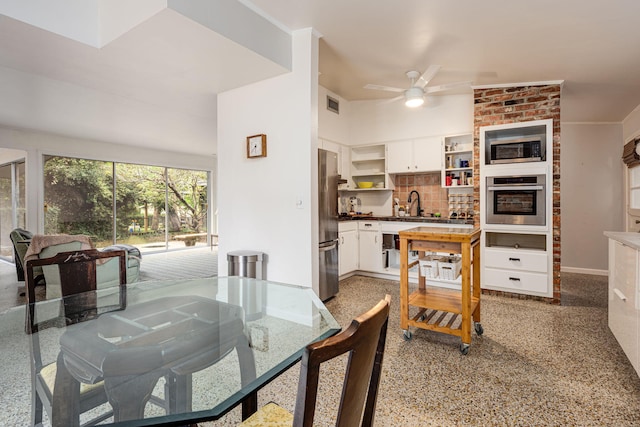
(229, 336)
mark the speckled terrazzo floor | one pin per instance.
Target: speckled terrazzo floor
(536, 365)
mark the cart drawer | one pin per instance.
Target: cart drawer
(516, 259)
(515, 281)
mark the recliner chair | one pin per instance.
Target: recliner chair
(46, 246)
(21, 239)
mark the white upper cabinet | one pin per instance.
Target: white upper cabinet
(414, 155)
(399, 156)
(426, 154)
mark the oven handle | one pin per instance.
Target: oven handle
(517, 187)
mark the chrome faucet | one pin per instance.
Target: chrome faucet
(419, 212)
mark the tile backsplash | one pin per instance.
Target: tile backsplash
(433, 198)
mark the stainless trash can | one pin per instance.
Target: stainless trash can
(246, 264)
(250, 295)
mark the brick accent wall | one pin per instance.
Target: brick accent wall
(503, 105)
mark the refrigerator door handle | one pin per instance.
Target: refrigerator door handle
(325, 247)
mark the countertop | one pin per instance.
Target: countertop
(417, 219)
(627, 238)
(441, 234)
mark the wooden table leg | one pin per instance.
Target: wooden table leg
(247, 375)
(249, 405)
(404, 283)
(66, 397)
(466, 293)
(476, 279)
(129, 394)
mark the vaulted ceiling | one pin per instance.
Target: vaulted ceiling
(152, 79)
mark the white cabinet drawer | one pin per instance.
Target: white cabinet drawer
(347, 226)
(515, 281)
(369, 225)
(624, 266)
(516, 259)
(623, 322)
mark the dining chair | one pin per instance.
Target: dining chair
(364, 341)
(77, 271)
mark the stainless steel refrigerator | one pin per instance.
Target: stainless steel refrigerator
(328, 223)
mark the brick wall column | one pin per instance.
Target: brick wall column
(504, 105)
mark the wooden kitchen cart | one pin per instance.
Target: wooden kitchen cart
(439, 308)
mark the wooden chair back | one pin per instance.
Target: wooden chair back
(77, 277)
(364, 340)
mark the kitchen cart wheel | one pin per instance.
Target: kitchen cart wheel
(479, 329)
(407, 335)
(464, 349)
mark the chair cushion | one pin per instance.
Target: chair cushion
(270, 415)
(48, 375)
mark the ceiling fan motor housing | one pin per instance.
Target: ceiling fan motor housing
(414, 97)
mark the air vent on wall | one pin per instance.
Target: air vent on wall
(333, 105)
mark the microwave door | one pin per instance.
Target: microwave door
(507, 153)
(516, 151)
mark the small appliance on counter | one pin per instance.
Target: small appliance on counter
(354, 205)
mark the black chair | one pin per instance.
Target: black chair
(20, 239)
(364, 340)
(77, 276)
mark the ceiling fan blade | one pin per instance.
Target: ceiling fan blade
(390, 100)
(426, 77)
(387, 88)
(449, 86)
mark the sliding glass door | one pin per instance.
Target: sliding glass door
(140, 206)
(12, 204)
(78, 198)
(151, 207)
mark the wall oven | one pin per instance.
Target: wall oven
(516, 200)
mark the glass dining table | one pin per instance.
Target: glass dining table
(171, 352)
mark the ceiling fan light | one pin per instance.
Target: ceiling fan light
(414, 97)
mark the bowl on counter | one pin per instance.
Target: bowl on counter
(365, 184)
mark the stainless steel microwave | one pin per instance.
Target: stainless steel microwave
(526, 149)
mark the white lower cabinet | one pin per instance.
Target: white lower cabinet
(516, 270)
(363, 248)
(347, 247)
(370, 246)
(516, 281)
(517, 262)
(624, 295)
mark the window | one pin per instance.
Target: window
(12, 204)
(151, 207)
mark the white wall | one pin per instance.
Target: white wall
(331, 126)
(375, 121)
(37, 144)
(258, 197)
(631, 125)
(592, 194)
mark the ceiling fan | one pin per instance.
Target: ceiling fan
(414, 96)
